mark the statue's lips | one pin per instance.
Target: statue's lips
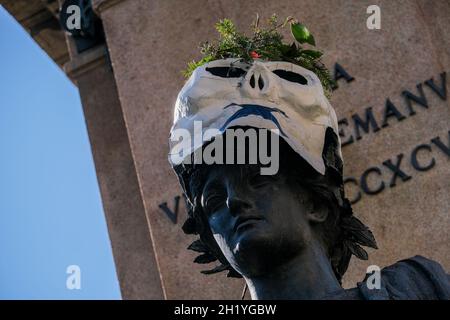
(245, 221)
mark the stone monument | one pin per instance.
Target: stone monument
(290, 232)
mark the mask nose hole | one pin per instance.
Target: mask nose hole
(252, 81)
(260, 83)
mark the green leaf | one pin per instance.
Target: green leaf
(195, 64)
(302, 34)
(226, 28)
(290, 51)
(312, 53)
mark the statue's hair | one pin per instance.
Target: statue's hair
(342, 233)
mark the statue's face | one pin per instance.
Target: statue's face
(258, 221)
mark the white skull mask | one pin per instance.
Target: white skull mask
(225, 93)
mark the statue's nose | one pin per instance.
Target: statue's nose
(237, 205)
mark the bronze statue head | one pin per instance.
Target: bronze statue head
(253, 223)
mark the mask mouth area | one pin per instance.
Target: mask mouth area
(256, 110)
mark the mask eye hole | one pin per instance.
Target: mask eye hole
(226, 72)
(291, 76)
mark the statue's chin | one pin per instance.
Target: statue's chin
(254, 252)
(259, 250)
(251, 238)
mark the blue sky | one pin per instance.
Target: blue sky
(51, 214)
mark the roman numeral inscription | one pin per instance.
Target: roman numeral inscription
(172, 215)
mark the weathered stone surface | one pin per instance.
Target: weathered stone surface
(151, 41)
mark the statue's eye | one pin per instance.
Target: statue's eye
(226, 72)
(213, 202)
(291, 76)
